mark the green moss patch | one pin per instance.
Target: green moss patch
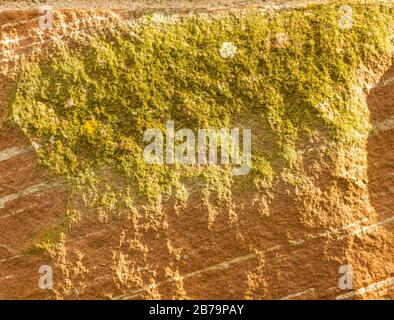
(292, 79)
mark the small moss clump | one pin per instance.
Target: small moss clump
(291, 79)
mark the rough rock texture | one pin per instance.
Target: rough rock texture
(288, 242)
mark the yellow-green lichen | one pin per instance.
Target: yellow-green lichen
(291, 78)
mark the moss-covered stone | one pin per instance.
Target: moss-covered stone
(292, 78)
